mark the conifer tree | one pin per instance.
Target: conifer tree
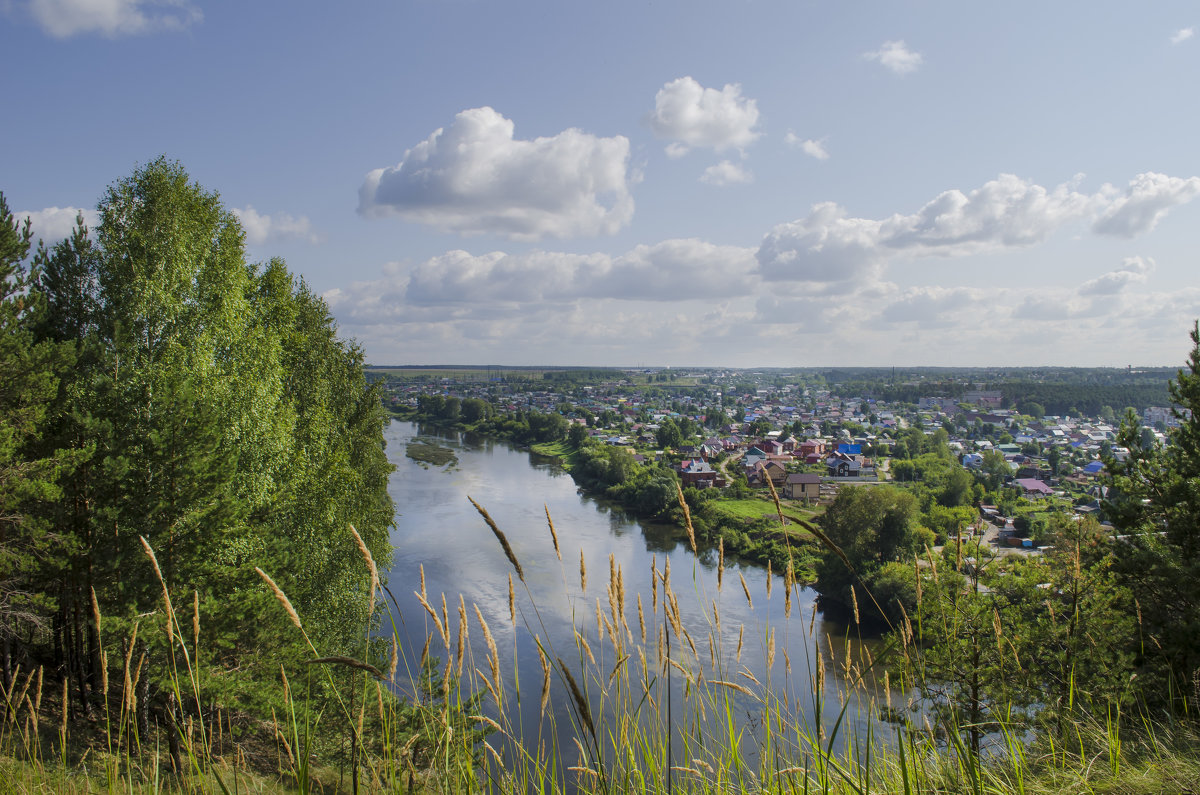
(1155, 506)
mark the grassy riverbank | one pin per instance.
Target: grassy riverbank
(660, 699)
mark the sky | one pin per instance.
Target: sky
(745, 183)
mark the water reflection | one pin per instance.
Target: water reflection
(439, 530)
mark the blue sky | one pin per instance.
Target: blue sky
(753, 183)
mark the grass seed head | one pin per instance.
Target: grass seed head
(508, 551)
(370, 561)
(553, 535)
(281, 597)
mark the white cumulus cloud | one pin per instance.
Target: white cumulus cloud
(53, 224)
(691, 116)
(1143, 204)
(504, 284)
(65, 18)
(829, 247)
(727, 173)
(896, 56)
(1133, 270)
(1182, 35)
(262, 227)
(474, 177)
(1007, 211)
(812, 148)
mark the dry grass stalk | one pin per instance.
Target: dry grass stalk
(582, 572)
(422, 569)
(62, 725)
(687, 517)
(485, 719)
(731, 686)
(437, 620)
(854, 602)
(487, 682)
(673, 614)
(917, 578)
(746, 590)
(512, 601)
(393, 659)
(463, 628)
(281, 597)
(553, 535)
(617, 668)
(741, 634)
(691, 643)
(641, 618)
(775, 499)
(611, 629)
(587, 649)
(37, 697)
(654, 583)
(370, 561)
(679, 667)
(425, 651)
(545, 661)
(581, 704)
(788, 583)
(445, 622)
(170, 628)
(720, 561)
(770, 648)
(493, 653)
(508, 551)
(621, 593)
(196, 620)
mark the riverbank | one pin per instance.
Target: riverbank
(746, 528)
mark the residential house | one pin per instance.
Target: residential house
(802, 486)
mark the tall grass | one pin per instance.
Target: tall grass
(645, 697)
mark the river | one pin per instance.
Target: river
(437, 528)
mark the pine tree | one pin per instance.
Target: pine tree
(1155, 506)
(29, 372)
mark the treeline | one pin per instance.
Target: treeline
(159, 393)
(583, 375)
(1085, 400)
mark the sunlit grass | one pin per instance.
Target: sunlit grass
(656, 703)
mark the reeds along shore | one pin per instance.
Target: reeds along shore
(654, 702)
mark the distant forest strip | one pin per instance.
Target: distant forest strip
(1075, 397)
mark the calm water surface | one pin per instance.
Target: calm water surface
(437, 528)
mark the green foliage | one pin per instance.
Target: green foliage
(872, 526)
(29, 469)
(1155, 505)
(212, 411)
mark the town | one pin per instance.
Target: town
(984, 461)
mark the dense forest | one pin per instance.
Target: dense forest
(173, 417)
